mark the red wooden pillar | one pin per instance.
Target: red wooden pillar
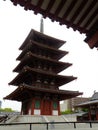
(59, 108)
(26, 108)
(42, 105)
(89, 114)
(32, 107)
(97, 115)
(96, 112)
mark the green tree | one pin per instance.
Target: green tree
(67, 112)
(6, 110)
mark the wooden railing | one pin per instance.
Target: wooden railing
(52, 124)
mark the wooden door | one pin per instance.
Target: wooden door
(46, 107)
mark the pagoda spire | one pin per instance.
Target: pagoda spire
(42, 25)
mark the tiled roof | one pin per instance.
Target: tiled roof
(95, 96)
(92, 101)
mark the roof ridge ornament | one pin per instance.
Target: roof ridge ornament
(42, 25)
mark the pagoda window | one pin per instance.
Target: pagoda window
(32, 65)
(45, 67)
(50, 69)
(39, 52)
(35, 64)
(33, 84)
(39, 66)
(46, 84)
(55, 105)
(48, 55)
(37, 104)
(38, 83)
(28, 79)
(52, 84)
(43, 53)
(35, 51)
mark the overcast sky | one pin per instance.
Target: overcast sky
(15, 25)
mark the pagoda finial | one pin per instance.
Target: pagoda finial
(42, 25)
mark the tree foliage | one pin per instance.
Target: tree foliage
(67, 112)
(6, 110)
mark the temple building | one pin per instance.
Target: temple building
(38, 79)
(92, 108)
(70, 104)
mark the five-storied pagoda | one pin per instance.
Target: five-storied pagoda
(38, 80)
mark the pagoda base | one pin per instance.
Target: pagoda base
(40, 107)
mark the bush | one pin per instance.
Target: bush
(67, 112)
(6, 110)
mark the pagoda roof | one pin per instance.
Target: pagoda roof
(32, 45)
(25, 91)
(48, 40)
(30, 59)
(28, 73)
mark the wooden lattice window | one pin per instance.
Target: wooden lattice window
(55, 105)
(37, 104)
